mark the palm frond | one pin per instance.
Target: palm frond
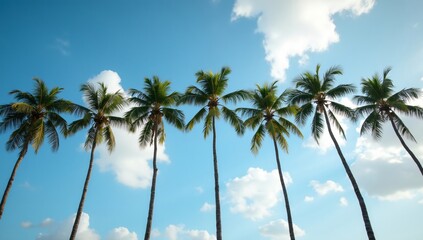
(336, 123)
(236, 96)
(372, 123)
(234, 120)
(402, 129)
(197, 118)
(257, 139)
(52, 135)
(340, 91)
(303, 113)
(174, 116)
(109, 137)
(317, 125)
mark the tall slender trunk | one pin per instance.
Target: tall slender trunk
(419, 165)
(216, 186)
(285, 193)
(84, 191)
(360, 199)
(153, 190)
(12, 178)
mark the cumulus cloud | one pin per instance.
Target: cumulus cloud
(122, 233)
(254, 194)
(343, 202)
(326, 188)
(128, 162)
(63, 230)
(278, 230)
(179, 232)
(384, 169)
(293, 28)
(207, 207)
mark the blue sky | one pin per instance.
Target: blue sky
(121, 42)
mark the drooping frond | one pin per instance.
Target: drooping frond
(197, 118)
(234, 120)
(317, 125)
(257, 139)
(372, 123)
(403, 130)
(304, 112)
(336, 123)
(175, 117)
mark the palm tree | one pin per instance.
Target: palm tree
(34, 116)
(382, 104)
(98, 118)
(269, 116)
(210, 97)
(317, 94)
(152, 107)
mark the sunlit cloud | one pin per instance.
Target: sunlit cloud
(343, 202)
(278, 230)
(207, 207)
(294, 28)
(254, 194)
(326, 188)
(128, 162)
(179, 232)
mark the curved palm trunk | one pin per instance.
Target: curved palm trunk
(153, 190)
(285, 193)
(216, 186)
(360, 199)
(419, 165)
(84, 192)
(12, 178)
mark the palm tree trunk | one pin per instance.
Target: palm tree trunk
(285, 193)
(12, 178)
(360, 199)
(216, 186)
(153, 190)
(84, 191)
(419, 165)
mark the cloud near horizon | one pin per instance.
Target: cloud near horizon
(278, 230)
(292, 28)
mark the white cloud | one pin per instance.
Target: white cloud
(63, 230)
(308, 199)
(343, 202)
(327, 187)
(278, 230)
(122, 233)
(303, 60)
(254, 194)
(384, 169)
(128, 162)
(179, 232)
(207, 207)
(293, 28)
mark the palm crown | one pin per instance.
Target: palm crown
(34, 116)
(152, 106)
(98, 116)
(380, 104)
(209, 96)
(269, 115)
(319, 94)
